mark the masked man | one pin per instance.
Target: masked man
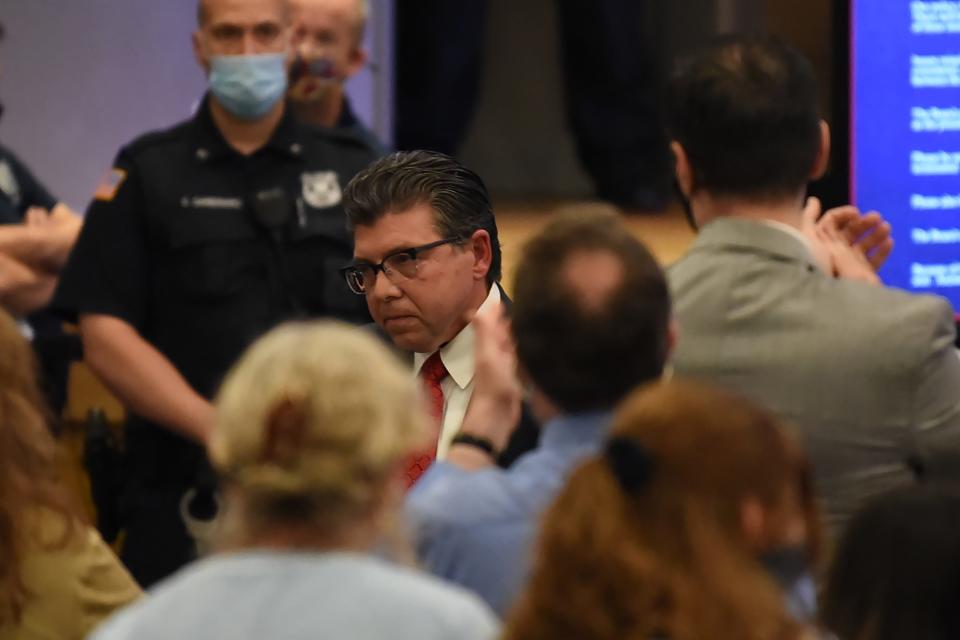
(201, 238)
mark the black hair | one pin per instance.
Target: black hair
(896, 573)
(457, 195)
(746, 112)
(588, 357)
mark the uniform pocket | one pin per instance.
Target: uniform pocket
(213, 255)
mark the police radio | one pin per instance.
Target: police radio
(271, 210)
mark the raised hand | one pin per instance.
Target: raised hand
(868, 232)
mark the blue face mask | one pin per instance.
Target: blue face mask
(248, 86)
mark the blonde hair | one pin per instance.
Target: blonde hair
(313, 423)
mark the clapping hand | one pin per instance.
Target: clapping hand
(846, 240)
(497, 392)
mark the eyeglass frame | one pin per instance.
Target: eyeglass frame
(381, 267)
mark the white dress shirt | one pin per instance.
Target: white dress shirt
(458, 357)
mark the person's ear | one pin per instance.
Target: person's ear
(673, 334)
(355, 62)
(482, 248)
(822, 160)
(683, 169)
(196, 40)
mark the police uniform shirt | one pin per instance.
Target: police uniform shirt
(202, 249)
(19, 189)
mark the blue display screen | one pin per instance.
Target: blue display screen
(905, 112)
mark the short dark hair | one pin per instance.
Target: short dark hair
(404, 179)
(203, 12)
(588, 357)
(746, 111)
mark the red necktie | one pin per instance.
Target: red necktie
(432, 373)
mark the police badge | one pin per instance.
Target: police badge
(321, 189)
(8, 183)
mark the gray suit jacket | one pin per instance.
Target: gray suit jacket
(868, 374)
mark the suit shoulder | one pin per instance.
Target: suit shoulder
(908, 325)
(692, 265)
(931, 316)
(894, 305)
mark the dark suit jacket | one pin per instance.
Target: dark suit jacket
(527, 433)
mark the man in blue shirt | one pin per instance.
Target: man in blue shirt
(591, 321)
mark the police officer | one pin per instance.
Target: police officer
(36, 234)
(200, 239)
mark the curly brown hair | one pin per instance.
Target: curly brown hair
(670, 559)
(28, 470)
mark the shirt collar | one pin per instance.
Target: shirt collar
(792, 231)
(754, 236)
(457, 355)
(209, 143)
(576, 429)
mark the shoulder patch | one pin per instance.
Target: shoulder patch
(109, 185)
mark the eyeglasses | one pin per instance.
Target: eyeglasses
(362, 277)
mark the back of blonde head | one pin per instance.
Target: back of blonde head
(313, 423)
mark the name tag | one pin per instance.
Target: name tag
(212, 202)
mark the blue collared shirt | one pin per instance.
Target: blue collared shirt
(476, 528)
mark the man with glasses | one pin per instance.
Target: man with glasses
(200, 239)
(427, 259)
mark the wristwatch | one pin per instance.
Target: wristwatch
(475, 441)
